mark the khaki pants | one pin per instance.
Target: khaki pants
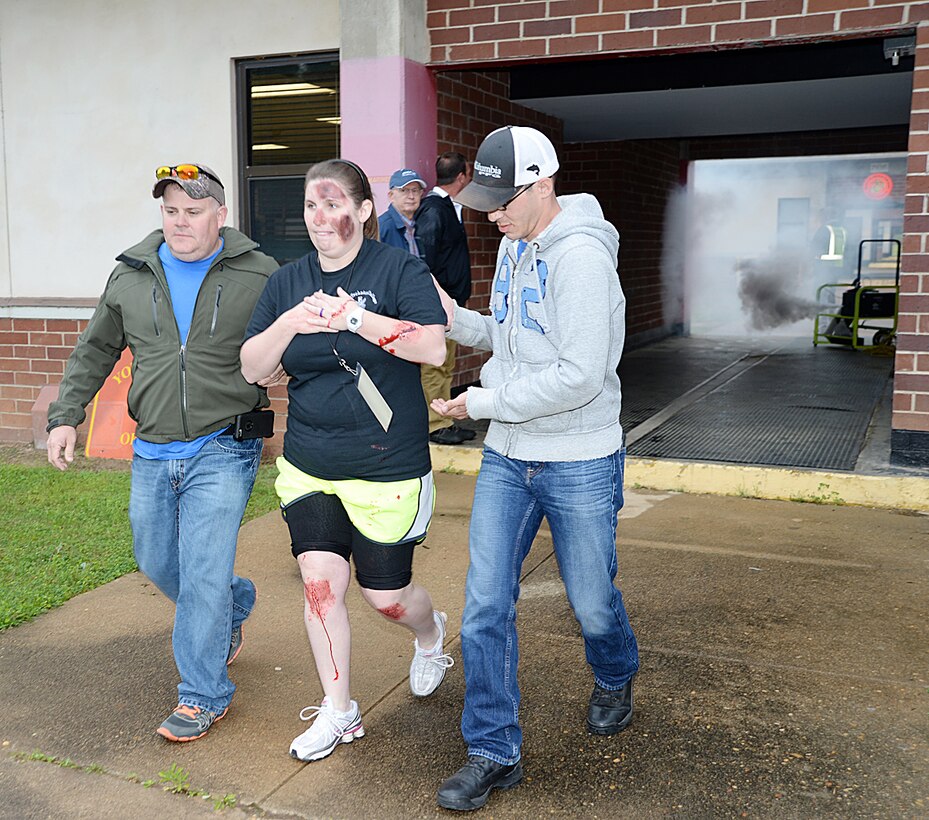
(437, 384)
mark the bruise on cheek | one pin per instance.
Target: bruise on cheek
(395, 612)
(345, 227)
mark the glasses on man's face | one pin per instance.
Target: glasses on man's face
(413, 191)
(186, 172)
(509, 202)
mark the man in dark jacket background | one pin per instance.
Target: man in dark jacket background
(443, 244)
(180, 301)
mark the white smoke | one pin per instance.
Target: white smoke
(741, 254)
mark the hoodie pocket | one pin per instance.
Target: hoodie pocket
(492, 374)
(556, 423)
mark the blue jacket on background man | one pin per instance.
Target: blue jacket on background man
(393, 228)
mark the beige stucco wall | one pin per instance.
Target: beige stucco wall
(94, 95)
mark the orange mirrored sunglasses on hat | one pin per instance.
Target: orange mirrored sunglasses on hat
(187, 172)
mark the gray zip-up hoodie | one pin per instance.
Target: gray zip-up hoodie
(556, 329)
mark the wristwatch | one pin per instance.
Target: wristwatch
(355, 319)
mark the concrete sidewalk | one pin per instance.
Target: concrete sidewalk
(784, 674)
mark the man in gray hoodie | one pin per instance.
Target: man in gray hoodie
(554, 448)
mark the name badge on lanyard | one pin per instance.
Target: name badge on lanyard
(373, 397)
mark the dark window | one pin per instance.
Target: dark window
(289, 119)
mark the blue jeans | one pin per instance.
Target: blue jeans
(580, 500)
(185, 516)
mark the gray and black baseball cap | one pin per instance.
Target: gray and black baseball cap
(509, 159)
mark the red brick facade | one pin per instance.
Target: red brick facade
(632, 181)
(470, 31)
(33, 353)
(911, 373)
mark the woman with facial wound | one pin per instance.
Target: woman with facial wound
(350, 323)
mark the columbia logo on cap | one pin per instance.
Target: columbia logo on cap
(488, 170)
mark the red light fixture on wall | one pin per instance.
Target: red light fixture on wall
(878, 186)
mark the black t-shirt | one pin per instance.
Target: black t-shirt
(331, 431)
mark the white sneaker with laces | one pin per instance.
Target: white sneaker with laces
(428, 667)
(329, 729)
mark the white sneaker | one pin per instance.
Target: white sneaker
(329, 729)
(428, 667)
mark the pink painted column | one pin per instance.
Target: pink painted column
(388, 119)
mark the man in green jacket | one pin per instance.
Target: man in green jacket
(180, 301)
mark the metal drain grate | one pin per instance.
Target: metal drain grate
(806, 408)
(654, 376)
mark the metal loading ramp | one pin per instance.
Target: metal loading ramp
(782, 404)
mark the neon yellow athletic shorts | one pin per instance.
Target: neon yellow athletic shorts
(386, 512)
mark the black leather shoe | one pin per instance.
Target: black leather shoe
(469, 787)
(610, 711)
(450, 435)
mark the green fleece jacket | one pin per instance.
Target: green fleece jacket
(179, 391)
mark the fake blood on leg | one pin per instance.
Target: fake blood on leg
(320, 599)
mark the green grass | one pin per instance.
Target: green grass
(62, 534)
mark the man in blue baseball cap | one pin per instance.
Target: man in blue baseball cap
(397, 225)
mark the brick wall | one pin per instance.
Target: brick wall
(632, 180)
(32, 355)
(910, 437)
(479, 32)
(470, 31)
(471, 104)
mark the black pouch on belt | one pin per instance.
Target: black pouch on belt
(255, 424)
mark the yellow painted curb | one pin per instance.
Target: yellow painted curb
(894, 492)
(449, 458)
